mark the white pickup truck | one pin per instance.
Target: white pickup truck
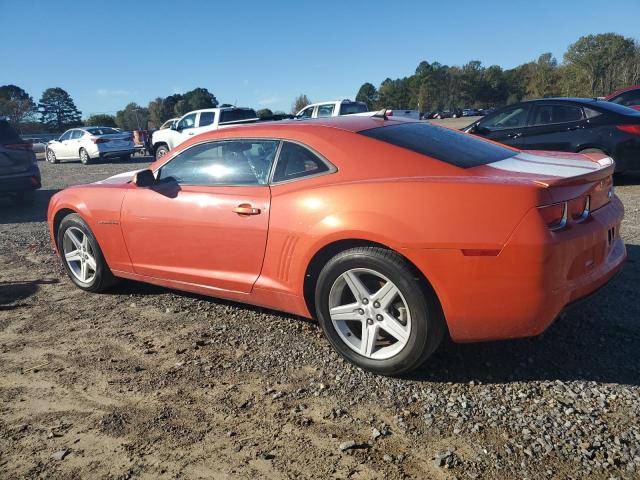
(196, 122)
(333, 108)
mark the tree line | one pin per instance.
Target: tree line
(593, 66)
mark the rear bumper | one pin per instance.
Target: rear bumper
(20, 182)
(520, 292)
(116, 153)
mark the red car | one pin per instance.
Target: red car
(391, 233)
(629, 97)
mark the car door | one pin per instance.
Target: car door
(508, 125)
(184, 129)
(73, 144)
(205, 221)
(62, 147)
(556, 126)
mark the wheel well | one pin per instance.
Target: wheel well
(57, 219)
(323, 255)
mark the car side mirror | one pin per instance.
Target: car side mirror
(144, 178)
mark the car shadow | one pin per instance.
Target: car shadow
(597, 340)
(12, 213)
(622, 179)
(13, 292)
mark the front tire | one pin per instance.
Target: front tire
(161, 151)
(376, 312)
(81, 255)
(51, 156)
(84, 157)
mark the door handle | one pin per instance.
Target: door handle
(573, 128)
(190, 133)
(246, 209)
(515, 135)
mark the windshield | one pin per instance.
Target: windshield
(102, 131)
(450, 146)
(237, 115)
(352, 107)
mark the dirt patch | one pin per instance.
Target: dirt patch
(145, 382)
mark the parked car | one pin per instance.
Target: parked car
(90, 143)
(197, 122)
(19, 172)
(440, 114)
(628, 97)
(39, 145)
(396, 112)
(327, 218)
(333, 108)
(169, 123)
(567, 125)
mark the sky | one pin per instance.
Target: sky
(263, 54)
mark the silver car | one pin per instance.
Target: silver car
(90, 143)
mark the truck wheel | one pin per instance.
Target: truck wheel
(161, 151)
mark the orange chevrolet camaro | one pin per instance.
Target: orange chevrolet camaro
(391, 233)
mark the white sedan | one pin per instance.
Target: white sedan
(90, 143)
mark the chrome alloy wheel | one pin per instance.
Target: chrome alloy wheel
(79, 255)
(369, 313)
(51, 156)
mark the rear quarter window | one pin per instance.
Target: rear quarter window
(455, 148)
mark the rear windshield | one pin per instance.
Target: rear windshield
(102, 131)
(456, 148)
(616, 108)
(352, 107)
(7, 132)
(227, 116)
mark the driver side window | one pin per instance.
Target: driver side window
(514, 117)
(65, 136)
(187, 122)
(306, 113)
(229, 162)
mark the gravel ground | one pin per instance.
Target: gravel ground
(146, 382)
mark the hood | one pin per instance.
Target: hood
(120, 178)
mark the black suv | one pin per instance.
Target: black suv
(19, 173)
(567, 125)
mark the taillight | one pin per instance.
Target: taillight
(632, 129)
(97, 140)
(555, 216)
(579, 208)
(20, 146)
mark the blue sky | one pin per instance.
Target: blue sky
(264, 53)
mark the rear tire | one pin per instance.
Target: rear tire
(84, 157)
(161, 151)
(403, 329)
(74, 235)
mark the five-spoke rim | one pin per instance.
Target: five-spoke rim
(50, 155)
(369, 313)
(79, 255)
